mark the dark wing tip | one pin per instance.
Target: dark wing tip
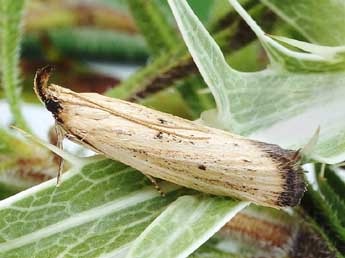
(289, 165)
(294, 187)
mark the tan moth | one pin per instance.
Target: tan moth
(164, 146)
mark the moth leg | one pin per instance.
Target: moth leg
(83, 138)
(60, 136)
(72, 137)
(155, 184)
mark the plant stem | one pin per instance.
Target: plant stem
(11, 17)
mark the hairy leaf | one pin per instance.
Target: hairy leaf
(175, 66)
(272, 105)
(100, 208)
(334, 201)
(319, 21)
(184, 226)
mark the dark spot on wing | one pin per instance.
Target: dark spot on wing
(202, 167)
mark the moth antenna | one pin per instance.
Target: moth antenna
(155, 184)
(41, 82)
(60, 136)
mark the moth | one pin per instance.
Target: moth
(164, 146)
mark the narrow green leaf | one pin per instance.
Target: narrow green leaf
(154, 26)
(334, 201)
(270, 105)
(184, 226)
(99, 209)
(11, 13)
(336, 182)
(104, 45)
(163, 70)
(321, 211)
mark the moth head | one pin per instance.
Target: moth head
(43, 92)
(41, 82)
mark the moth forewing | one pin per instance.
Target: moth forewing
(175, 149)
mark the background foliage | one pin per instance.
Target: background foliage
(271, 88)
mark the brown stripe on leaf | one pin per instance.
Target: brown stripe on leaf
(276, 234)
(270, 233)
(167, 76)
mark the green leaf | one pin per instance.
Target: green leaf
(202, 8)
(161, 38)
(99, 209)
(184, 226)
(319, 21)
(10, 37)
(272, 105)
(307, 58)
(85, 43)
(175, 67)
